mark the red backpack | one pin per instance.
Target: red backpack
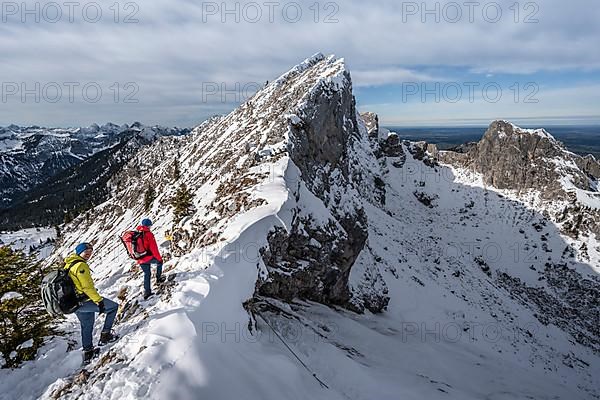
(134, 244)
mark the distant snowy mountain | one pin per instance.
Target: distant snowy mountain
(31, 155)
(50, 173)
(390, 269)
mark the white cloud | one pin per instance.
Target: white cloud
(386, 76)
(171, 52)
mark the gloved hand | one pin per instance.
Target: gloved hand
(101, 306)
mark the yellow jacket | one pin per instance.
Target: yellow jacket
(82, 278)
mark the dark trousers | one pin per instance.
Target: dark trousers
(146, 269)
(86, 315)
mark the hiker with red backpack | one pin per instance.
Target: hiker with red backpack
(153, 257)
(141, 246)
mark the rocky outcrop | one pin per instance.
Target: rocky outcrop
(571, 303)
(423, 151)
(321, 133)
(589, 165)
(391, 146)
(509, 157)
(512, 158)
(313, 259)
(371, 122)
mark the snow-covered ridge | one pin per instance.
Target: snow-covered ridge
(242, 192)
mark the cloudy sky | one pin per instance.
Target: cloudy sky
(178, 62)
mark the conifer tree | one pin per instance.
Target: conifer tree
(23, 319)
(149, 197)
(68, 217)
(176, 171)
(182, 202)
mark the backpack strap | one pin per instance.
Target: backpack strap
(147, 252)
(70, 266)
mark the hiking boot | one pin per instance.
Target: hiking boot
(89, 354)
(148, 295)
(160, 279)
(107, 337)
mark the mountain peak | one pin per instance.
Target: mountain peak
(304, 122)
(510, 157)
(532, 162)
(503, 128)
(329, 67)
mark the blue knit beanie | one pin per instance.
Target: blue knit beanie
(81, 247)
(146, 222)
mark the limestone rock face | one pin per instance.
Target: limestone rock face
(313, 258)
(391, 146)
(589, 165)
(423, 151)
(371, 122)
(512, 158)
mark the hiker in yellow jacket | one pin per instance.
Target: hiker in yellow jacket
(91, 302)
